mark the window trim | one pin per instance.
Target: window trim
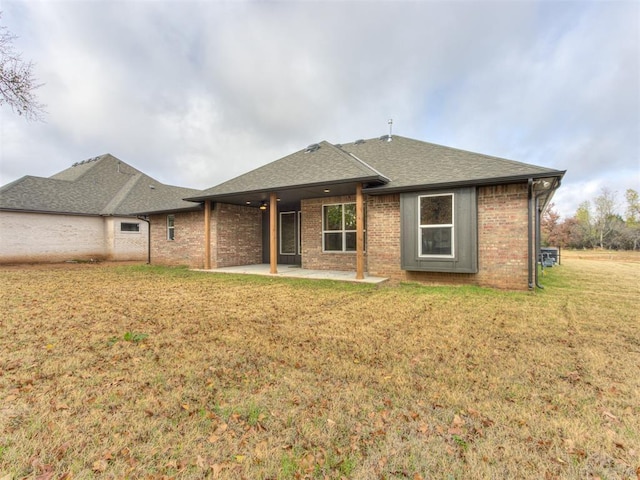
(451, 225)
(137, 230)
(171, 228)
(295, 231)
(342, 231)
(466, 259)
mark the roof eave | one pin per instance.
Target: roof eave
(50, 212)
(369, 179)
(383, 190)
(196, 207)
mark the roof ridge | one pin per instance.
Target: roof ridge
(361, 162)
(378, 172)
(122, 194)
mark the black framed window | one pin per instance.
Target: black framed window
(129, 227)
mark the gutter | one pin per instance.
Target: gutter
(386, 189)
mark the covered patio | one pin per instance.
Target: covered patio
(292, 271)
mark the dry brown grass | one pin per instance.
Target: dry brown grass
(143, 372)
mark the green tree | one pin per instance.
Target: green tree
(584, 231)
(632, 220)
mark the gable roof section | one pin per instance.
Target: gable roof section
(319, 164)
(413, 164)
(382, 165)
(103, 185)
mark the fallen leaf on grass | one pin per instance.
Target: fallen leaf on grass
(457, 421)
(99, 466)
(46, 472)
(221, 429)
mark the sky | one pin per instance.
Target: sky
(194, 93)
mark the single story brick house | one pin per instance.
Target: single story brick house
(391, 206)
(83, 212)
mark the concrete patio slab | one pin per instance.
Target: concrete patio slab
(296, 272)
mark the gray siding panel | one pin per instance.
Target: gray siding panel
(465, 258)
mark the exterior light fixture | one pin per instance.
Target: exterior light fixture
(263, 205)
(326, 190)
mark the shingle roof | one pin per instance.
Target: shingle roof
(321, 163)
(411, 164)
(401, 164)
(103, 185)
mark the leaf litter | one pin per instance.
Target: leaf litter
(164, 373)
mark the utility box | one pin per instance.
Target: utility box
(549, 256)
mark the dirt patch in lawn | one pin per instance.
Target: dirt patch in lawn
(144, 372)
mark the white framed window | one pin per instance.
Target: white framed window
(130, 227)
(171, 228)
(339, 227)
(436, 233)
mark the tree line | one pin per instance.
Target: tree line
(596, 224)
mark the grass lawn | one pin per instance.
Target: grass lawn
(145, 372)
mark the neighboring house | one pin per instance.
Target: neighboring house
(389, 206)
(84, 212)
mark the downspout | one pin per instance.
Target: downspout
(554, 186)
(530, 232)
(538, 243)
(146, 219)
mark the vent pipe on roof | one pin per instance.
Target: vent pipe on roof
(390, 122)
(312, 148)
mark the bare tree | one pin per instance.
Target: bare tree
(605, 217)
(17, 80)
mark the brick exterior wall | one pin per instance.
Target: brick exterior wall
(312, 255)
(502, 236)
(44, 237)
(237, 238)
(502, 240)
(383, 236)
(187, 248)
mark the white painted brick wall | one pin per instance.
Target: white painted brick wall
(38, 237)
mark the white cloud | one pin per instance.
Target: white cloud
(194, 93)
